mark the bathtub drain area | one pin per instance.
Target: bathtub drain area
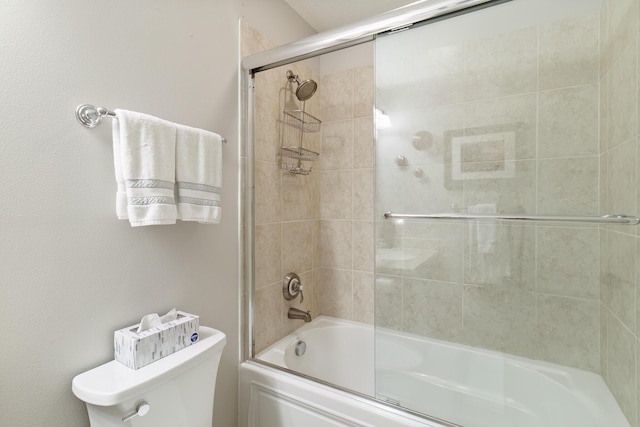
(301, 348)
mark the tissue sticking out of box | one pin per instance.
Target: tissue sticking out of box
(153, 320)
(137, 349)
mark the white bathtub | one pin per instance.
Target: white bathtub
(463, 385)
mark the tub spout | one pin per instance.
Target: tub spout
(296, 313)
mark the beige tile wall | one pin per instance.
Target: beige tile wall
(320, 225)
(287, 207)
(620, 246)
(344, 285)
(328, 213)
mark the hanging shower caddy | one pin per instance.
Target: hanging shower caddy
(296, 122)
(293, 154)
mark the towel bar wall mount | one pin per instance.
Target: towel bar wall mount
(91, 116)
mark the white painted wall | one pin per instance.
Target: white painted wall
(70, 272)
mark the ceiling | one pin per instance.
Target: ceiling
(324, 15)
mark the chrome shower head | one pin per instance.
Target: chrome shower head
(306, 88)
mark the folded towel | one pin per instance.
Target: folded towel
(121, 192)
(198, 174)
(144, 159)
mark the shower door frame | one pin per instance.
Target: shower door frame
(330, 41)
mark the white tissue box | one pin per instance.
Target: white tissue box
(136, 350)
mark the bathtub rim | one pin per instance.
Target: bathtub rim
(360, 397)
(280, 347)
(363, 397)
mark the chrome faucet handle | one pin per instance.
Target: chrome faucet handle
(291, 287)
(297, 289)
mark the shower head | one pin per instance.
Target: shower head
(306, 88)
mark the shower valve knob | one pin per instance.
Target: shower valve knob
(296, 288)
(299, 288)
(291, 287)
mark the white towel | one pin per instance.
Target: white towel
(144, 149)
(485, 230)
(121, 192)
(198, 175)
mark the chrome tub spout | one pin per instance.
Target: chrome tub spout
(296, 313)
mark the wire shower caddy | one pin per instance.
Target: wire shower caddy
(296, 123)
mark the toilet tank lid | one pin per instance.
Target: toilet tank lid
(113, 382)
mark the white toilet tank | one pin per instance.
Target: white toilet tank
(176, 391)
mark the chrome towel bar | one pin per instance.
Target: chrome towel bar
(91, 116)
(605, 219)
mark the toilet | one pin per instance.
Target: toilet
(175, 391)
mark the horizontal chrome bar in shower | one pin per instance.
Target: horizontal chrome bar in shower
(605, 219)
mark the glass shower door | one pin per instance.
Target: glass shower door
(505, 131)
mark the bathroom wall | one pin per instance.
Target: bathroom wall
(70, 272)
(527, 95)
(620, 250)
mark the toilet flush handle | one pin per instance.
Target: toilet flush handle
(142, 409)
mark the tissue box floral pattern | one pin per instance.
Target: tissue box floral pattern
(136, 350)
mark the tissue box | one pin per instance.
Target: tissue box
(136, 350)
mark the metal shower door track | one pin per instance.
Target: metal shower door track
(358, 33)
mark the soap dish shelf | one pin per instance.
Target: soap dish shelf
(302, 120)
(299, 153)
(297, 170)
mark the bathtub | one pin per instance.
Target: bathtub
(464, 385)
